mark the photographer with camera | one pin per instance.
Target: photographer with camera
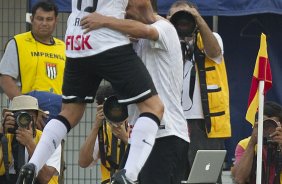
(205, 97)
(106, 141)
(19, 137)
(244, 170)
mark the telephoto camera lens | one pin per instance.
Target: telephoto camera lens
(184, 23)
(114, 111)
(269, 126)
(23, 119)
(269, 123)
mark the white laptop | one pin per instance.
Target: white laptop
(206, 167)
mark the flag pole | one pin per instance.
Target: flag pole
(260, 131)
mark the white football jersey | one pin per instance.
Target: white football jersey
(79, 44)
(163, 59)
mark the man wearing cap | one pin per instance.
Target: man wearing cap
(205, 97)
(18, 129)
(244, 170)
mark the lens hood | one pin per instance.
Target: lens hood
(184, 16)
(114, 111)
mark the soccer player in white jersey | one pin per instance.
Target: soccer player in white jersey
(160, 50)
(101, 54)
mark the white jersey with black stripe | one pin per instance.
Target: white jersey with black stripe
(79, 44)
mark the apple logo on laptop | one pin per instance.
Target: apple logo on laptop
(208, 166)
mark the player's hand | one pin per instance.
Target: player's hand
(92, 21)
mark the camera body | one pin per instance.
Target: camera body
(267, 140)
(22, 118)
(269, 126)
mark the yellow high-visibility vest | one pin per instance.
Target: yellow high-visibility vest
(41, 66)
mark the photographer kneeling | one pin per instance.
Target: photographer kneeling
(244, 170)
(19, 137)
(107, 140)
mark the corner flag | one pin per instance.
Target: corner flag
(262, 72)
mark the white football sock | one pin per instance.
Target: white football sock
(52, 136)
(142, 140)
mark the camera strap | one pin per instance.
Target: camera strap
(268, 163)
(103, 140)
(188, 56)
(200, 61)
(278, 163)
(192, 82)
(124, 156)
(4, 143)
(102, 147)
(112, 159)
(21, 156)
(15, 151)
(116, 145)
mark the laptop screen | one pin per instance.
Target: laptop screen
(206, 166)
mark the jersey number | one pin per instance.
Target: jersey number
(88, 9)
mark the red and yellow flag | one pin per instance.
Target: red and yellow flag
(262, 72)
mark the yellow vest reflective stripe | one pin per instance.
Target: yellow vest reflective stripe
(54, 179)
(218, 100)
(41, 66)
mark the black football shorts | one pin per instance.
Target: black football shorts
(120, 66)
